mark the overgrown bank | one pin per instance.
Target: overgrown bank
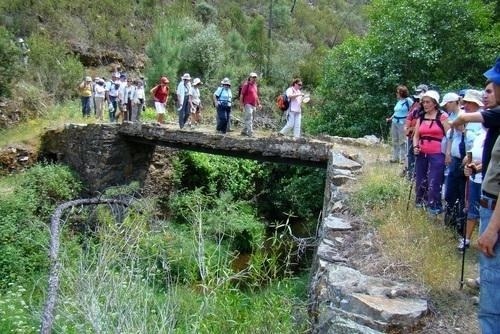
(200, 258)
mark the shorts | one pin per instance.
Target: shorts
(474, 196)
(160, 107)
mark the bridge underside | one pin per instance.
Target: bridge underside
(300, 151)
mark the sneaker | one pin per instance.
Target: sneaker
(435, 211)
(475, 300)
(463, 245)
(472, 283)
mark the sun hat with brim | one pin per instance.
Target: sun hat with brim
(449, 97)
(432, 94)
(253, 75)
(226, 81)
(197, 81)
(186, 76)
(493, 73)
(88, 79)
(474, 96)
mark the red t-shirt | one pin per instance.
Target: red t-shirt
(249, 94)
(430, 129)
(161, 93)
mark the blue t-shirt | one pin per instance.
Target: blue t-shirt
(223, 94)
(401, 110)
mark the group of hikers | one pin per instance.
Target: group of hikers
(125, 99)
(452, 145)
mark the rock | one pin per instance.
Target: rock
(336, 224)
(402, 312)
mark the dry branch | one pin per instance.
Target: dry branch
(53, 281)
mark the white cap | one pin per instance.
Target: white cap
(449, 97)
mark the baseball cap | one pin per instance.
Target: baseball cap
(422, 88)
(449, 97)
(493, 73)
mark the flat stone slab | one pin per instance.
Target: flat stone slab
(333, 223)
(401, 311)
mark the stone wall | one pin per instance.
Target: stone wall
(98, 154)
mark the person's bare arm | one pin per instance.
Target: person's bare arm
(475, 117)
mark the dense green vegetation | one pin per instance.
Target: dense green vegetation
(194, 260)
(351, 70)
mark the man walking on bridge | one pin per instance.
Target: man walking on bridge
(249, 101)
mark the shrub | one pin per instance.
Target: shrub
(9, 61)
(203, 52)
(52, 67)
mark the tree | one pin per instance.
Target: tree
(446, 44)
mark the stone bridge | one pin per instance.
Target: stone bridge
(342, 299)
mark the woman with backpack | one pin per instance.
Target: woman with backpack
(294, 116)
(429, 165)
(397, 120)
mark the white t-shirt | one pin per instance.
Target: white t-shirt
(195, 96)
(99, 91)
(296, 101)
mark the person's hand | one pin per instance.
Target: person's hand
(259, 106)
(416, 150)
(447, 159)
(468, 170)
(487, 241)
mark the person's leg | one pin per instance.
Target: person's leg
(290, 120)
(420, 179)
(489, 271)
(297, 124)
(411, 160)
(436, 175)
(228, 119)
(394, 142)
(247, 120)
(402, 142)
(451, 189)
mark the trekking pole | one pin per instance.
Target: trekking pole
(464, 228)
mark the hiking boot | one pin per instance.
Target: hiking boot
(463, 245)
(435, 212)
(394, 161)
(472, 283)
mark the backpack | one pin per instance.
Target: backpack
(283, 102)
(438, 122)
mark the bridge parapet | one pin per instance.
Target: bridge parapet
(303, 151)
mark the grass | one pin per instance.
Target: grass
(419, 248)
(421, 243)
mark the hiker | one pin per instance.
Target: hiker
(112, 88)
(397, 120)
(25, 50)
(85, 91)
(138, 100)
(294, 112)
(429, 165)
(222, 101)
(160, 97)
(249, 101)
(129, 95)
(122, 98)
(99, 97)
(183, 108)
(411, 120)
(195, 103)
(490, 120)
(460, 141)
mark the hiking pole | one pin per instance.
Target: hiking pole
(464, 228)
